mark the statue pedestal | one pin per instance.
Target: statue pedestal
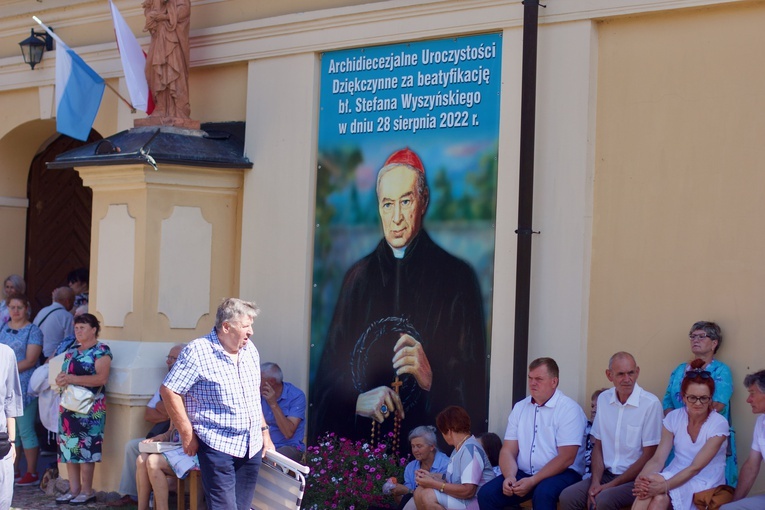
(167, 121)
(165, 251)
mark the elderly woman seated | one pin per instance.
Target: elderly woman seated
(469, 468)
(152, 470)
(699, 436)
(422, 440)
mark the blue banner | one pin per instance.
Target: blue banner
(404, 244)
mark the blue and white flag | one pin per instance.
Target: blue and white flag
(79, 90)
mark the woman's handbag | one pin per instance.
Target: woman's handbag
(78, 399)
(714, 498)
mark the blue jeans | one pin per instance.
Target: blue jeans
(228, 482)
(543, 497)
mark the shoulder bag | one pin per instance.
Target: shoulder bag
(78, 399)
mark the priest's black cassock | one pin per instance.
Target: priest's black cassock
(429, 294)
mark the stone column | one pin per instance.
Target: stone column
(164, 252)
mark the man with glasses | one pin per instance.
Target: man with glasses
(755, 384)
(626, 432)
(212, 395)
(156, 414)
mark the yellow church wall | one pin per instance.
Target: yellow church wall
(219, 93)
(13, 225)
(11, 116)
(677, 229)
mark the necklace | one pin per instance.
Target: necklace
(461, 442)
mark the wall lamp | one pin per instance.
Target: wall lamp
(32, 47)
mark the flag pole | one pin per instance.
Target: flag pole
(132, 108)
(130, 105)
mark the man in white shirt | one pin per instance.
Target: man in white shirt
(755, 384)
(626, 432)
(55, 321)
(543, 452)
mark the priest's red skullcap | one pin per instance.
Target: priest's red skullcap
(405, 157)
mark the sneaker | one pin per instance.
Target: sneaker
(28, 479)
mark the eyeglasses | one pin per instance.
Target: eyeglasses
(700, 336)
(171, 359)
(698, 374)
(693, 399)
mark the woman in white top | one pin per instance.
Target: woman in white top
(469, 468)
(699, 436)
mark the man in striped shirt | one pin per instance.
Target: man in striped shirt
(212, 395)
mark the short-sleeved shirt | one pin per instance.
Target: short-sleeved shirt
(721, 374)
(758, 438)
(55, 323)
(469, 464)
(221, 396)
(292, 404)
(713, 474)
(440, 463)
(154, 400)
(10, 387)
(624, 429)
(540, 430)
(18, 340)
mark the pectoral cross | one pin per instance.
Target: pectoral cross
(396, 385)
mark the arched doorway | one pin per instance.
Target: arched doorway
(58, 222)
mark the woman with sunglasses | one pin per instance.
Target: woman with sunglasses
(705, 339)
(698, 434)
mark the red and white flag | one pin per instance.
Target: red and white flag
(133, 63)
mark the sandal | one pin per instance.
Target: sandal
(83, 499)
(65, 498)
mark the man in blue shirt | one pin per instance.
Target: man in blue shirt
(284, 408)
(212, 395)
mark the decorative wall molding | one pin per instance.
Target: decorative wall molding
(116, 265)
(185, 267)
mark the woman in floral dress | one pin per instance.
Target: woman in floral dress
(81, 436)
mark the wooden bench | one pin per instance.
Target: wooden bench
(195, 492)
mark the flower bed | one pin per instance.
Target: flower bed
(349, 475)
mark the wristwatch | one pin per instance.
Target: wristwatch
(442, 487)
